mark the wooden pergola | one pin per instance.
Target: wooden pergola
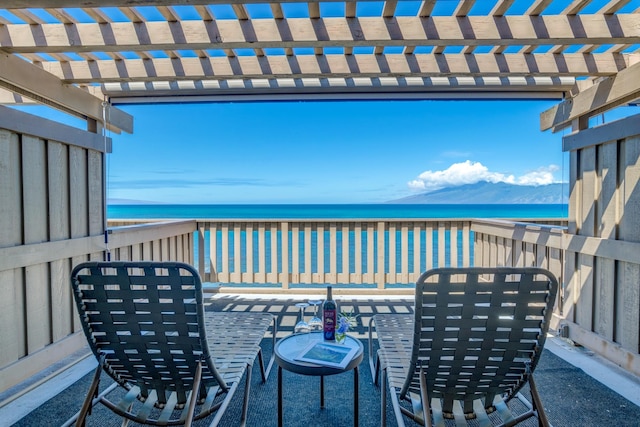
(194, 50)
(86, 57)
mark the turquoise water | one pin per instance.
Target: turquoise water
(364, 211)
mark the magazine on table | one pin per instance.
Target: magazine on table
(327, 354)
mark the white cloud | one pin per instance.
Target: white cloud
(540, 176)
(469, 172)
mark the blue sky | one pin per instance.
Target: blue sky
(329, 152)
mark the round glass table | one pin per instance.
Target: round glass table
(288, 349)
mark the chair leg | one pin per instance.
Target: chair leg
(536, 402)
(383, 399)
(426, 407)
(93, 392)
(261, 363)
(245, 404)
(193, 400)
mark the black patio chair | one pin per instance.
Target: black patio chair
(146, 325)
(473, 343)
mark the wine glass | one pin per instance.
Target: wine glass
(302, 327)
(315, 323)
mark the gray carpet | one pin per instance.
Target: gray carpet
(571, 397)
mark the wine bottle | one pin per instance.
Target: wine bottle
(329, 316)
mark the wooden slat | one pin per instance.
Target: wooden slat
(97, 15)
(12, 304)
(391, 255)
(604, 95)
(34, 199)
(508, 30)
(463, 8)
(537, 7)
(613, 6)
(249, 275)
(370, 276)
(575, 7)
(426, 8)
(29, 80)
(501, 7)
(58, 224)
(324, 66)
(307, 276)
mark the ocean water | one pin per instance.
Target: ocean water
(341, 211)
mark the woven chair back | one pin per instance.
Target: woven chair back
(479, 332)
(146, 320)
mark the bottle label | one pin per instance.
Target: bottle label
(329, 325)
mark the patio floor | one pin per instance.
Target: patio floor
(575, 385)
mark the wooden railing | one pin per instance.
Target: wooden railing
(351, 253)
(519, 244)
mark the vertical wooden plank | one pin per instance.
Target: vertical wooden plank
(78, 192)
(224, 269)
(343, 276)
(587, 208)
(273, 277)
(392, 248)
(381, 275)
(358, 254)
(236, 275)
(12, 303)
(36, 230)
(147, 251)
(442, 248)
(555, 266)
(96, 190)
(429, 245)
(250, 273)
(529, 254)
(332, 275)
(586, 227)
(628, 286)
(262, 252)
(295, 252)
(466, 244)
(606, 227)
(58, 182)
(320, 252)
(404, 253)
(453, 244)
(571, 278)
(371, 271)
(307, 255)
(200, 245)
(417, 251)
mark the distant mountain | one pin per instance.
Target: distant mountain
(492, 193)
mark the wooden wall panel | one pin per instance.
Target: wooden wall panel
(628, 321)
(12, 329)
(51, 190)
(58, 188)
(95, 194)
(606, 227)
(36, 230)
(79, 187)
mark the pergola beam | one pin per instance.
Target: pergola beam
(363, 65)
(321, 32)
(23, 78)
(606, 94)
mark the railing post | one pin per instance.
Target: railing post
(381, 272)
(284, 275)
